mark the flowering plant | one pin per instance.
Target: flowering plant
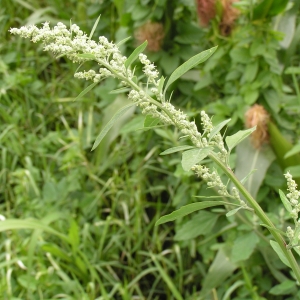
(80, 48)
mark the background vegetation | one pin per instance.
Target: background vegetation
(84, 221)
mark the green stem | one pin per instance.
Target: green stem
(261, 214)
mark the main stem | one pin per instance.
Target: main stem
(261, 214)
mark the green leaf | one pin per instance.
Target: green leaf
(294, 170)
(176, 149)
(244, 246)
(274, 229)
(284, 288)
(235, 139)
(123, 41)
(161, 84)
(250, 159)
(248, 175)
(87, 55)
(134, 55)
(109, 125)
(120, 91)
(292, 70)
(150, 121)
(200, 224)
(186, 210)
(85, 91)
(191, 63)
(233, 212)
(194, 156)
(218, 128)
(221, 268)
(293, 151)
(94, 27)
(285, 201)
(279, 252)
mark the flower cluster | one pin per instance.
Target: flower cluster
(78, 47)
(212, 178)
(293, 196)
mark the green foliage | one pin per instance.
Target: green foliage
(83, 224)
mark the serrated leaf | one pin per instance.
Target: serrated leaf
(134, 55)
(123, 41)
(176, 149)
(233, 212)
(85, 91)
(285, 201)
(120, 91)
(109, 125)
(87, 55)
(191, 63)
(186, 210)
(279, 252)
(218, 128)
(235, 139)
(94, 27)
(150, 121)
(193, 156)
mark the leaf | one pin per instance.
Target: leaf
(109, 125)
(150, 121)
(292, 70)
(134, 55)
(87, 55)
(161, 84)
(285, 201)
(244, 246)
(220, 269)
(200, 224)
(249, 174)
(194, 156)
(294, 150)
(274, 229)
(176, 149)
(284, 288)
(218, 128)
(191, 63)
(186, 210)
(120, 91)
(86, 90)
(233, 212)
(294, 170)
(249, 159)
(235, 139)
(280, 253)
(123, 41)
(94, 27)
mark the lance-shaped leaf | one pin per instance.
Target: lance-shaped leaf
(218, 128)
(85, 91)
(194, 156)
(176, 149)
(188, 209)
(109, 125)
(191, 63)
(134, 55)
(235, 139)
(94, 27)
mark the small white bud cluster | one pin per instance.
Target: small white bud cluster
(293, 197)
(213, 179)
(217, 139)
(149, 69)
(235, 193)
(72, 42)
